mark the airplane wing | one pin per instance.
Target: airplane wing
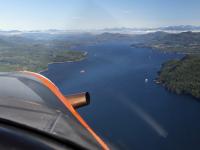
(32, 103)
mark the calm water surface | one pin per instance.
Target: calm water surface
(124, 110)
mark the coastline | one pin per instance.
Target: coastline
(165, 50)
(181, 76)
(61, 62)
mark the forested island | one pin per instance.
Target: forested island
(182, 76)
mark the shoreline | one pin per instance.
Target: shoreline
(167, 50)
(61, 62)
(175, 76)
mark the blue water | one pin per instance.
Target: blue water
(124, 110)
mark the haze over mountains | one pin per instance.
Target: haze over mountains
(123, 30)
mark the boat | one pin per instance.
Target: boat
(82, 71)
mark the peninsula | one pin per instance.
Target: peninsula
(21, 53)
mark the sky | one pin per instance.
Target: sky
(96, 14)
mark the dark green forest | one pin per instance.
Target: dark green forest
(182, 76)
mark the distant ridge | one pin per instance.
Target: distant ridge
(121, 30)
(179, 28)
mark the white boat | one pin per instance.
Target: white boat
(82, 71)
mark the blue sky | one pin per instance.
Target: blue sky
(96, 14)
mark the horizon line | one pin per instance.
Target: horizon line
(96, 29)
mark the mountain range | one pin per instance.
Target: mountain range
(123, 30)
